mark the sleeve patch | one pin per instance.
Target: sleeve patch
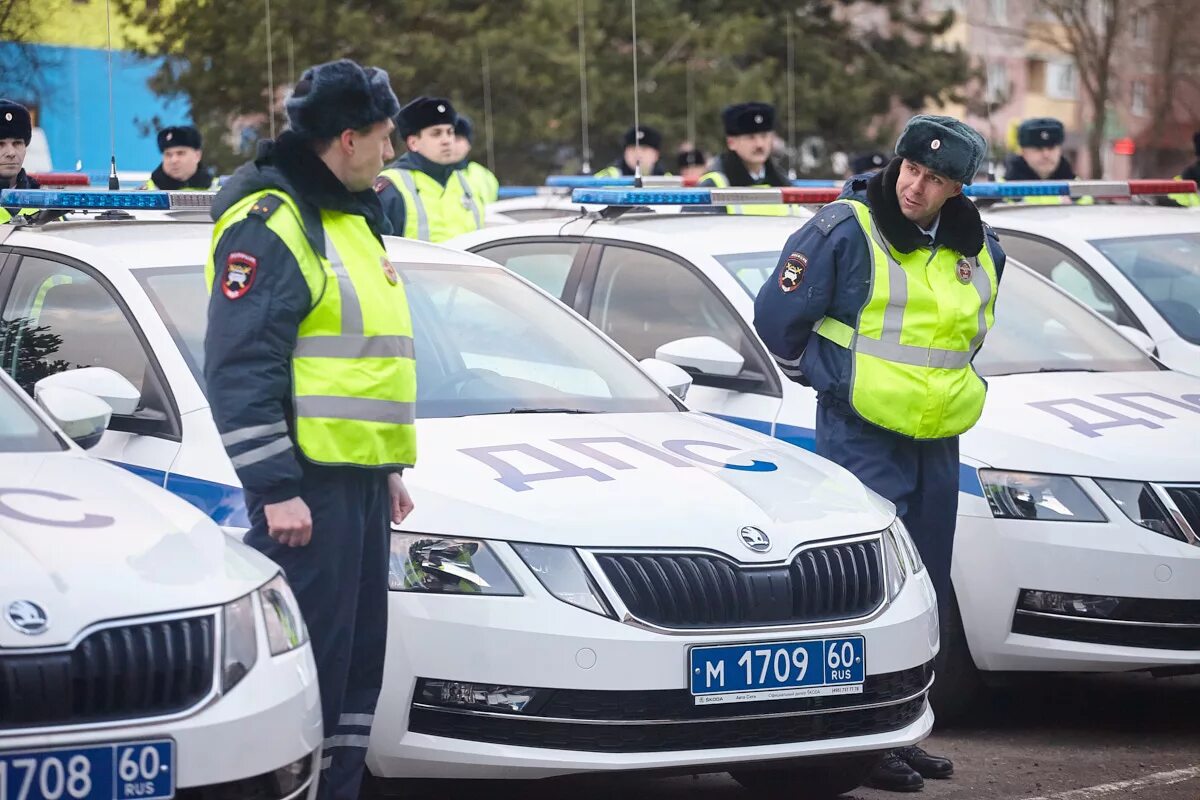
(831, 216)
(792, 273)
(238, 277)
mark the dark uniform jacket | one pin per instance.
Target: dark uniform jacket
(734, 169)
(1016, 168)
(250, 340)
(202, 178)
(23, 181)
(837, 279)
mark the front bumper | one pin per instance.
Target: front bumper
(994, 559)
(603, 669)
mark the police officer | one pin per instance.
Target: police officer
(1192, 173)
(880, 303)
(868, 162)
(16, 130)
(481, 179)
(640, 145)
(749, 140)
(1041, 157)
(424, 194)
(310, 374)
(182, 167)
(691, 163)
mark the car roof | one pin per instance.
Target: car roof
(1095, 221)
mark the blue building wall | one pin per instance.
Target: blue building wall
(72, 94)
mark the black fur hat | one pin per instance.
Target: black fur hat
(179, 136)
(15, 122)
(338, 96)
(943, 144)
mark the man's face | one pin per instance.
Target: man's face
(181, 163)
(646, 156)
(435, 143)
(752, 148)
(12, 156)
(1042, 160)
(366, 151)
(461, 149)
(693, 172)
(922, 192)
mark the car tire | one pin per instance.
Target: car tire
(824, 780)
(958, 687)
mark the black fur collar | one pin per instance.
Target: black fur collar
(1016, 168)
(734, 169)
(960, 227)
(202, 178)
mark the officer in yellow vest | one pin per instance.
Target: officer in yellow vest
(691, 163)
(640, 145)
(880, 303)
(749, 140)
(481, 179)
(182, 168)
(1041, 159)
(310, 374)
(1192, 173)
(424, 194)
(16, 129)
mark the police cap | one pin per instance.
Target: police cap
(425, 112)
(15, 122)
(337, 96)
(744, 118)
(644, 136)
(179, 136)
(1040, 132)
(943, 144)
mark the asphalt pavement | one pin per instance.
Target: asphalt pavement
(1057, 737)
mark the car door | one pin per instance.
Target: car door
(58, 314)
(553, 264)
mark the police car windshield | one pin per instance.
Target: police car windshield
(750, 269)
(21, 431)
(1040, 329)
(1166, 269)
(486, 343)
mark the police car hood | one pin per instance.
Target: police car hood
(1132, 425)
(87, 541)
(631, 480)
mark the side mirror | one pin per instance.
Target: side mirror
(668, 376)
(112, 387)
(704, 354)
(83, 417)
(1139, 338)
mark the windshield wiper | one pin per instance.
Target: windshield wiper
(548, 411)
(1044, 369)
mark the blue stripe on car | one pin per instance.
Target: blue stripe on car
(224, 503)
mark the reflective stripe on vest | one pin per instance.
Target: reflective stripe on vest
(418, 205)
(443, 212)
(353, 373)
(720, 181)
(469, 193)
(907, 377)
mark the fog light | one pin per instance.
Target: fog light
(1074, 605)
(479, 696)
(289, 779)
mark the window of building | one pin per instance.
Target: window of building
(1139, 101)
(1062, 80)
(998, 11)
(1141, 27)
(997, 82)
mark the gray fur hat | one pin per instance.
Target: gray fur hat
(943, 144)
(330, 98)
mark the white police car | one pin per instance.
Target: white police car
(143, 653)
(1136, 265)
(1078, 543)
(594, 578)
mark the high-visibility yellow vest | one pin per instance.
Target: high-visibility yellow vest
(354, 380)
(720, 181)
(435, 213)
(611, 171)
(5, 216)
(483, 182)
(1185, 198)
(926, 316)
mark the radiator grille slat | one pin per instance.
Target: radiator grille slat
(689, 590)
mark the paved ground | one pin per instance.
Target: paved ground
(1058, 738)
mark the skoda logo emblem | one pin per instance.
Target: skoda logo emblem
(27, 617)
(755, 539)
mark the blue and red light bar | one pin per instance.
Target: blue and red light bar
(105, 200)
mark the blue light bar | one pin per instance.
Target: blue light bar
(1019, 189)
(813, 183)
(643, 197)
(506, 192)
(587, 181)
(46, 198)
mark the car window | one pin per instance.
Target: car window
(1166, 270)
(1068, 272)
(750, 269)
(21, 431)
(644, 300)
(179, 295)
(544, 264)
(57, 318)
(1038, 329)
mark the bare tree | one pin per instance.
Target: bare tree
(21, 64)
(1088, 31)
(1176, 47)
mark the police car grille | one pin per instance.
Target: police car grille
(130, 672)
(1187, 499)
(687, 590)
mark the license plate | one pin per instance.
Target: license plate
(777, 670)
(128, 771)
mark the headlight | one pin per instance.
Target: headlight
(239, 642)
(424, 563)
(908, 548)
(896, 572)
(1027, 495)
(1143, 506)
(281, 613)
(564, 576)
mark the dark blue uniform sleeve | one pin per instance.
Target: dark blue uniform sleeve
(259, 298)
(802, 288)
(991, 241)
(393, 205)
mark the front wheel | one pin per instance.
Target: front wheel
(825, 780)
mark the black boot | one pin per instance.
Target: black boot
(929, 766)
(895, 775)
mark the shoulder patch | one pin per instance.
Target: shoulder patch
(265, 206)
(831, 216)
(381, 184)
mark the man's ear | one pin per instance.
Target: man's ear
(958, 186)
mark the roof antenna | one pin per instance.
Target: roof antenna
(114, 183)
(487, 107)
(270, 74)
(583, 95)
(791, 92)
(637, 121)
